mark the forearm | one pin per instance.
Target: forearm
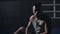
(43, 33)
(16, 32)
(26, 32)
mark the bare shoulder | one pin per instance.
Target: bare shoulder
(30, 20)
(31, 17)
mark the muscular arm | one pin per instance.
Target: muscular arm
(45, 30)
(29, 23)
(26, 32)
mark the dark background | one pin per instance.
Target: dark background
(16, 13)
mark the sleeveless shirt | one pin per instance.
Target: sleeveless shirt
(38, 25)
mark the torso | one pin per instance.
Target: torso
(38, 24)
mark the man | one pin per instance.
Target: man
(38, 23)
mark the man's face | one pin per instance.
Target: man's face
(34, 12)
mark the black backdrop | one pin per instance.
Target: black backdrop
(15, 13)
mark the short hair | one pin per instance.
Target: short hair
(38, 8)
(37, 5)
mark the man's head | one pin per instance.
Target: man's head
(34, 10)
(36, 7)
